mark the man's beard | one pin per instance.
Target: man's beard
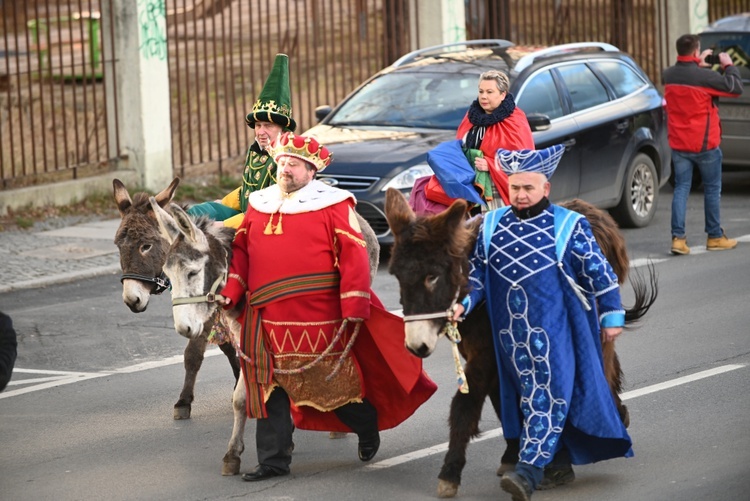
(289, 185)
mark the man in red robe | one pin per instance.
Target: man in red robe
(318, 340)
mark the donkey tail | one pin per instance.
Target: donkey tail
(646, 289)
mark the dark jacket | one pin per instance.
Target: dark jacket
(691, 93)
(8, 344)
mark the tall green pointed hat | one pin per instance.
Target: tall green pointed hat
(275, 101)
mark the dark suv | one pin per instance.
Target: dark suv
(590, 97)
(732, 35)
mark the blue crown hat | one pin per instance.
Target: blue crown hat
(542, 161)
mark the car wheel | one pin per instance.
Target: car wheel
(639, 194)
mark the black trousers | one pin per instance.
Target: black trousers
(273, 435)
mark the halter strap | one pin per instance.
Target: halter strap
(447, 314)
(210, 297)
(160, 283)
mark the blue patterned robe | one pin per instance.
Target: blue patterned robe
(546, 333)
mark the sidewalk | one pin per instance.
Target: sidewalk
(41, 258)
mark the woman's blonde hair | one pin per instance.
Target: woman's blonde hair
(500, 78)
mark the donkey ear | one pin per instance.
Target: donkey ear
(451, 218)
(167, 224)
(187, 226)
(122, 197)
(397, 211)
(166, 195)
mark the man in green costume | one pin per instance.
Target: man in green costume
(270, 117)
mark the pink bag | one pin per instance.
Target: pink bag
(418, 200)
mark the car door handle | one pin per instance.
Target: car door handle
(568, 144)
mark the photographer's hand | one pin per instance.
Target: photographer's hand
(725, 60)
(703, 56)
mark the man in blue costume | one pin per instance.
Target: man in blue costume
(552, 297)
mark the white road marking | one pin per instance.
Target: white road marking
(680, 381)
(429, 451)
(437, 449)
(643, 261)
(53, 379)
(60, 378)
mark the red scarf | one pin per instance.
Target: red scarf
(689, 59)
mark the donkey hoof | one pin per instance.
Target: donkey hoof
(505, 467)
(336, 434)
(182, 412)
(230, 466)
(447, 489)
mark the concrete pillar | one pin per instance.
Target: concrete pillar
(141, 86)
(441, 22)
(684, 16)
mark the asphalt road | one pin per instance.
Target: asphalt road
(88, 414)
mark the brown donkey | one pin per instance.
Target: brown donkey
(143, 250)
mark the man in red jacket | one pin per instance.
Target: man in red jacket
(691, 90)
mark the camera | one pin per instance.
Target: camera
(712, 59)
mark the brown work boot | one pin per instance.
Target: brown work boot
(721, 243)
(679, 246)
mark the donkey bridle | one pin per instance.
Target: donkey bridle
(447, 314)
(209, 297)
(160, 283)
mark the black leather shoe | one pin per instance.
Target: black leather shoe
(367, 449)
(262, 472)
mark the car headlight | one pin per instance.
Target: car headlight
(405, 180)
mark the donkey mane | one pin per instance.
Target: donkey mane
(223, 234)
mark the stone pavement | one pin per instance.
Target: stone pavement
(31, 259)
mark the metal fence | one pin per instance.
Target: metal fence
(219, 59)
(53, 122)
(637, 27)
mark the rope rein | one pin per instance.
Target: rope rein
(219, 335)
(450, 330)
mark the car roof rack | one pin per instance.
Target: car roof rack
(529, 59)
(492, 43)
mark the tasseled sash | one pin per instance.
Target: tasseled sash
(259, 368)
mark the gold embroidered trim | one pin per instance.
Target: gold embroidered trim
(360, 241)
(239, 279)
(322, 322)
(364, 294)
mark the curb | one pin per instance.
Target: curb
(61, 278)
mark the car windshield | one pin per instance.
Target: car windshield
(410, 99)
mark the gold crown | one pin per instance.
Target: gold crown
(305, 148)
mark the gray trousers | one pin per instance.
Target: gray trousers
(273, 435)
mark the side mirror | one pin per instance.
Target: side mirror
(538, 122)
(322, 111)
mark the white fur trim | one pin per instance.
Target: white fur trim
(314, 196)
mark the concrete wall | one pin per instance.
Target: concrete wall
(684, 16)
(440, 22)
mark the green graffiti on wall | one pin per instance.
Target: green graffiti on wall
(152, 20)
(456, 32)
